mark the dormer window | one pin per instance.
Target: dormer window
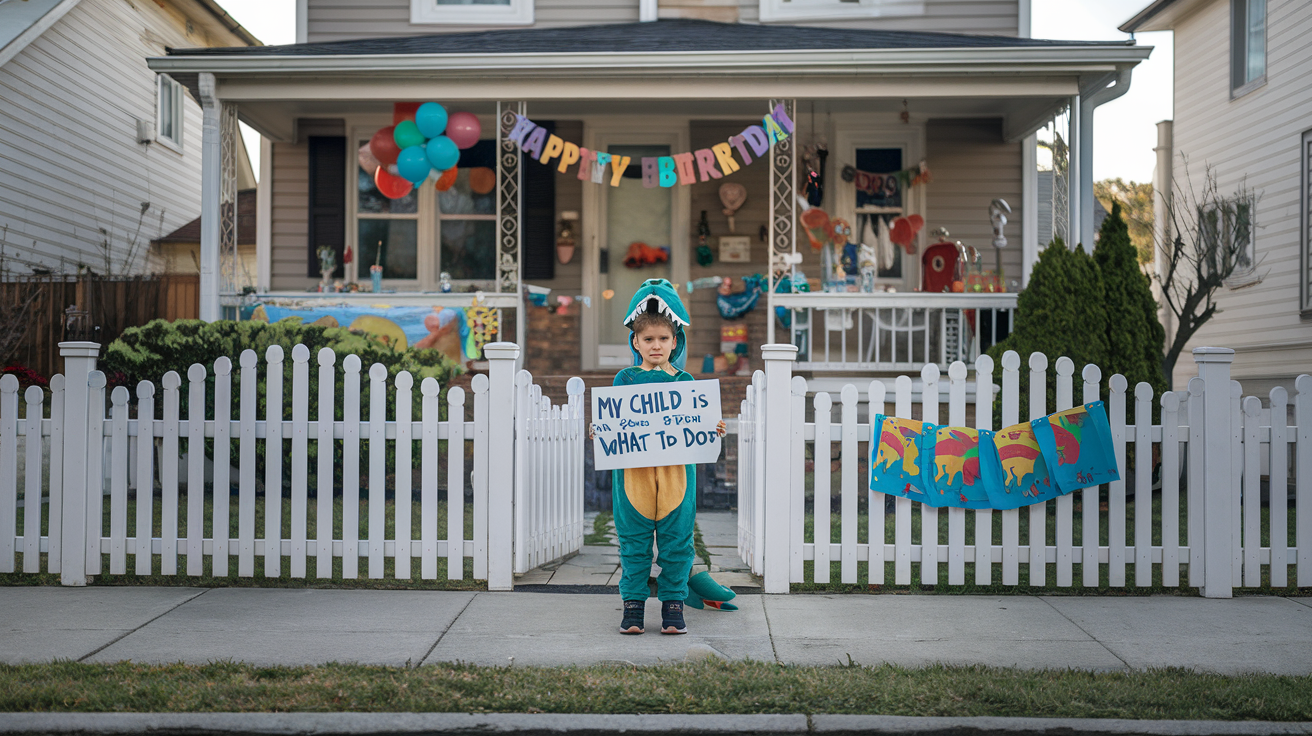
(473, 12)
(794, 10)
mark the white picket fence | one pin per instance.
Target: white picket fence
(1213, 443)
(526, 478)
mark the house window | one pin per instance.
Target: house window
(387, 230)
(466, 217)
(884, 202)
(1247, 45)
(168, 111)
(792, 10)
(481, 12)
(1226, 227)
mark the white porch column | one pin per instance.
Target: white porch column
(1029, 210)
(778, 475)
(264, 218)
(1075, 177)
(1218, 494)
(501, 357)
(211, 188)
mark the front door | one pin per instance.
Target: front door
(637, 233)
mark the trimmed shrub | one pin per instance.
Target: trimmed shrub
(1060, 313)
(1135, 337)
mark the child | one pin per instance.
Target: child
(655, 500)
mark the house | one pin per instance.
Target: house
(1243, 109)
(98, 153)
(923, 107)
(179, 250)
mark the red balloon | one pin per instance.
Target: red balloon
(404, 111)
(447, 179)
(384, 147)
(391, 186)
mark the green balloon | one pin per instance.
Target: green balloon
(407, 134)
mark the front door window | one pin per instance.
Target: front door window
(634, 215)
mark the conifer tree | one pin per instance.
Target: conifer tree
(1060, 313)
(1135, 337)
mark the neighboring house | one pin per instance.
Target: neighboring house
(1243, 107)
(886, 84)
(180, 249)
(89, 135)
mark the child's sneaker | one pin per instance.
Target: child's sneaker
(672, 618)
(634, 614)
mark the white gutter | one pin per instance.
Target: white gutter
(963, 61)
(1089, 103)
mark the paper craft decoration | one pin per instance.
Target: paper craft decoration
(904, 232)
(1076, 445)
(732, 196)
(1025, 478)
(815, 222)
(895, 467)
(965, 466)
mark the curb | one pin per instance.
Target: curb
(360, 724)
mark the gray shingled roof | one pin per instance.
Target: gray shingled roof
(656, 36)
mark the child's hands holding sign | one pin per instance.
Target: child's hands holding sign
(720, 428)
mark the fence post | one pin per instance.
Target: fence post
(79, 362)
(1218, 539)
(778, 455)
(501, 358)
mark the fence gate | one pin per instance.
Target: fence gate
(148, 482)
(1205, 528)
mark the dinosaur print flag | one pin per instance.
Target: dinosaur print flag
(965, 466)
(896, 465)
(1077, 446)
(1025, 478)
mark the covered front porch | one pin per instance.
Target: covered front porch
(965, 108)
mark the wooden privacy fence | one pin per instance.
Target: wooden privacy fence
(525, 479)
(1213, 445)
(113, 304)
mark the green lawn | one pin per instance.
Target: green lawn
(285, 580)
(709, 687)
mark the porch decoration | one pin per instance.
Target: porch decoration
(889, 184)
(418, 143)
(704, 255)
(640, 254)
(904, 231)
(682, 169)
(734, 305)
(732, 196)
(1020, 465)
(565, 240)
(327, 264)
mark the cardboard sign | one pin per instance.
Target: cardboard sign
(655, 424)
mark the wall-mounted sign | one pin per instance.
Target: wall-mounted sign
(735, 248)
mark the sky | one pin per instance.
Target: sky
(1124, 129)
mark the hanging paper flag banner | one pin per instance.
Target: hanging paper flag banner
(682, 169)
(888, 185)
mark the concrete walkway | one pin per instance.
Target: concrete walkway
(313, 626)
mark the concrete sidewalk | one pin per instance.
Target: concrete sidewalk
(267, 626)
(297, 627)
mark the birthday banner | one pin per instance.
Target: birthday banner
(655, 424)
(683, 169)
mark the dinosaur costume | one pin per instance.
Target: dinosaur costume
(660, 500)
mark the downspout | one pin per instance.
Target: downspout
(1089, 103)
(1163, 183)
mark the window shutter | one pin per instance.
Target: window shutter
(539, 198)
(327, 197)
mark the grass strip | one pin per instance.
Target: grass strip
(600, 533)
(703, 687)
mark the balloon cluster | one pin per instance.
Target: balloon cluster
(423, 139)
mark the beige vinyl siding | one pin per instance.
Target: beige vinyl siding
(336, 20)
(291, 200)
(972, 166)
(1254, 139)
(70, 163)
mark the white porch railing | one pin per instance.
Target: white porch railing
(526, 492)
(1211, 443)
(894, 331)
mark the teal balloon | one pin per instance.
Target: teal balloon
(412, 164)
(407, 135)
(443, 153)
(431, 119)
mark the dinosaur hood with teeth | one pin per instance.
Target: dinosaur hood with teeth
(658, 295)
